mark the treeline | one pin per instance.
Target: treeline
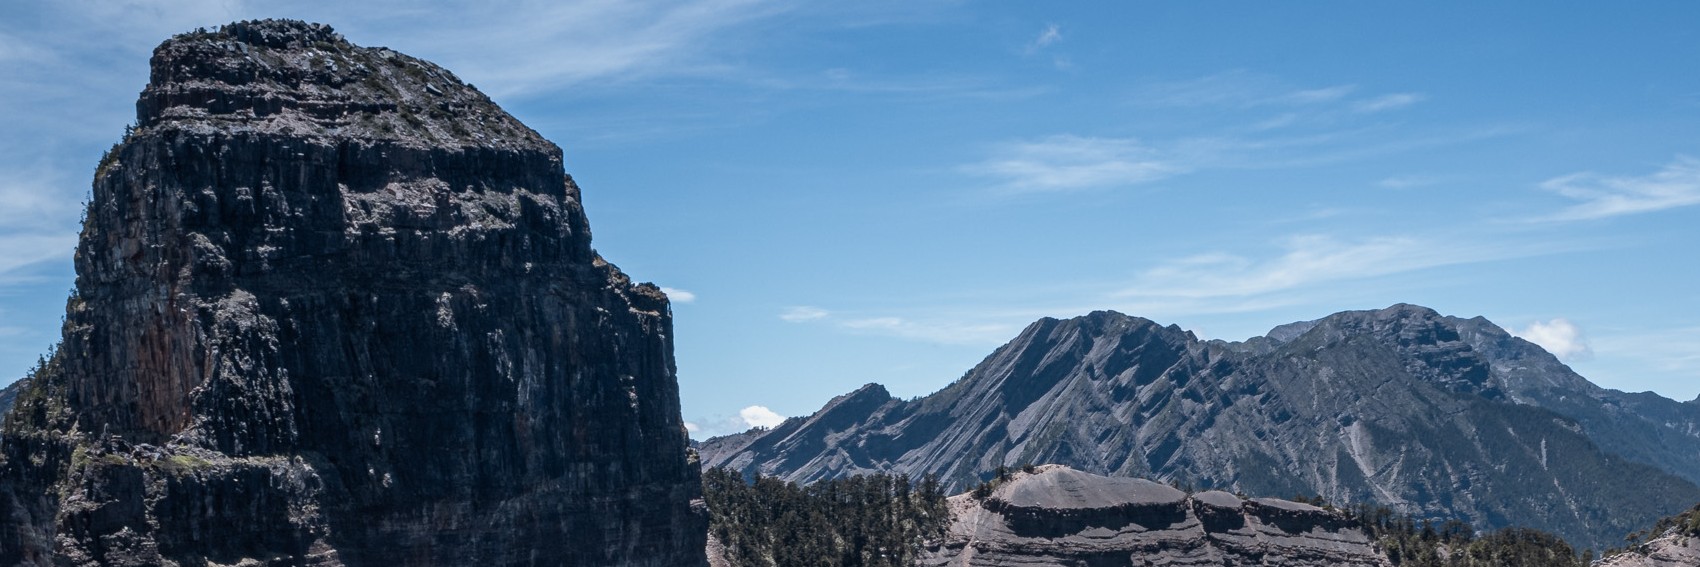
(1454, 543)
(876, 520)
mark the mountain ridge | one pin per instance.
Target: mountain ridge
(1432, 415)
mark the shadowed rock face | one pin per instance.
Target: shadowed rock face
(335, 307)
(1431, 415)
(1059, 516)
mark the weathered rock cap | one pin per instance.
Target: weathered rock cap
(1058, 487)
(1218, 499)
(305, 79)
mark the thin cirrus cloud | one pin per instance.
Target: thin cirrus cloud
(1051, 34)
(1387, 102)
(575, 43)
(567, 43)
(1306, 261)
(38, 223)
(803, 313)
(1237, 89)
(1068, 162)
(1669, 350)
(1675, 185)
(949, 331)
(1674, 352)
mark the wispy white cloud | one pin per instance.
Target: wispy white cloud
(1669, 350)
(574, 43)
(1306, 261)
(1677, 184)
(934, 331)
(1560, 337)
(24, 250)
(1388, 102)
(679, 295)
(38, 215)
(1663, 360)
(1407, 181)
(929, 87)
(1067, 162)
(1238, 89)
(803, 313)
(1051, 34)
(565, 43)
(14, 49)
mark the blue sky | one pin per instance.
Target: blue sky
(852, 192)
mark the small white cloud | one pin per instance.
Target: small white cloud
(1068, 162)
(692, 427)
(1388, 102)
(1051, 34)
(803, 313)
(1560, 337)
(1600, 196)
(760, 416)
(679, 295)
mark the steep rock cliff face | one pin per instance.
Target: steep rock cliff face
(1060, 516)
(335, 307)
(1434, 416)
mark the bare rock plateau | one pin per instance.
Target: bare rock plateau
(1058, 516)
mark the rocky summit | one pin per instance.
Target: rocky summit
(1055, 515)
(335, 307)
(1434, 416)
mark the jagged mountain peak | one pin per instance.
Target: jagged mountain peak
(1433, 415)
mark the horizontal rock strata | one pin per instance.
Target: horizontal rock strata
(1057, 516)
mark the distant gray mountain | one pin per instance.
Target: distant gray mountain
(9, 395)
(1431, 415)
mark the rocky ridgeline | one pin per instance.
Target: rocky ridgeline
(1433, 416)
(1059, 516)
(1673, 542)
(335, 307)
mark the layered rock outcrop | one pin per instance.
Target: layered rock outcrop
(1059, 516)
(1434, 416)
(335, 307)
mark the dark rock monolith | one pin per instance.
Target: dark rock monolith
(335, 307)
